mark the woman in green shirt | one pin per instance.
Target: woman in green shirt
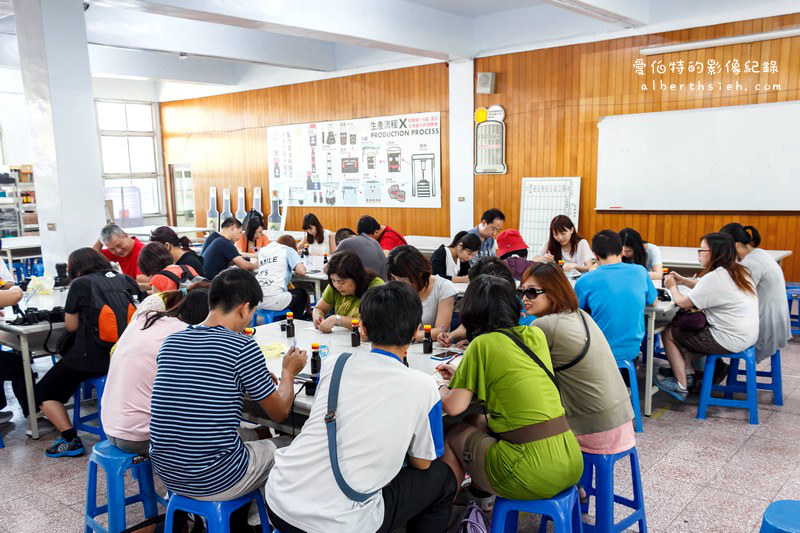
(523, 449)
(349, 280)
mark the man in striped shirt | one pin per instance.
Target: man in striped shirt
(196, 406)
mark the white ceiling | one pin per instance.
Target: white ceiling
(477, 8)
(245, 44)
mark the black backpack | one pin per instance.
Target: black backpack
(113, 298)
(251, 214)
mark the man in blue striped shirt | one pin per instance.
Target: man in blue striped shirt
(196, 406)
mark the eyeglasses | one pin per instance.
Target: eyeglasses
(702, 250)
(529, 293)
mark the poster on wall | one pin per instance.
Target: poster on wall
(391, 161)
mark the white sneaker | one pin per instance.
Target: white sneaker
(6, 416)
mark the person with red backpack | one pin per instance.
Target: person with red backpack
(99, 306)
(156, 261)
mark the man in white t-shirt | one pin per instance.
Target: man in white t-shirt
(387, 415)
(276, 263)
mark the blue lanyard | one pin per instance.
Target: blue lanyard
(388, 354)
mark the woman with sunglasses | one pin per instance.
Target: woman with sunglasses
(598, 408)
(726, 295)
(523, 448)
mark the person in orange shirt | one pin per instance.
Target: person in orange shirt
(253, 238)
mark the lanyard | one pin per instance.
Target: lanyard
(387, 354)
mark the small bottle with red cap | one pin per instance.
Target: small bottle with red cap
(289, 325)
(427, 340)
(316, 366)
(355, 337)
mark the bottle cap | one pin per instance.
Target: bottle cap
(354, 322)
(315, 346)
(665, 269)
(325, 254)
(289, 315)
(427, 327)
(249, 331)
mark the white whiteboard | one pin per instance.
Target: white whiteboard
(543, 199)
(717, 159)
(391, 161)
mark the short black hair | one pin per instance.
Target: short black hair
(342, 234)
(233, 287)
(368, 225)
(605, 243)
(491, 266)
(153, 258)
(230, 221)
(489, 304)
(391, 313)
(490, 215)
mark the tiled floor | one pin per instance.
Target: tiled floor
(716, 475)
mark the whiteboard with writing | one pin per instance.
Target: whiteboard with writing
(391, 161)
(542, 200)
(735, 158)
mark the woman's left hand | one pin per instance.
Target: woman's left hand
(569, 267)
(327, 325)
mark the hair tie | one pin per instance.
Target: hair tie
(183, 290)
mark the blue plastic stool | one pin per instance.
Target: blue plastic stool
(38, 269)
(19, 271)
(774, 372)
(217, 514)
(78, 421)
(268, 316)
(115, 462)
(792, 294)
(563, 508)
(750, 403)
(627, 364)
(601, 467)
(782, 516)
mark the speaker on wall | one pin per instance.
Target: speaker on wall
(485, 83)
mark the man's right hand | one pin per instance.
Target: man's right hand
(294, 361)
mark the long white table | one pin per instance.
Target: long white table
(337, 341)
(29, 341)
(144, 231)
(686, 257)
(427, 244)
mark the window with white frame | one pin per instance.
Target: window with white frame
(128, 145)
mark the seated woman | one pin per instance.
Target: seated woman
(155, 261)
(179, 247)
(277, 261)
(566, 245)
(640, 252)
(774, 329)
(725, 293)
(349, 280)
(407, 264)
(253, 238)
(320, 241)
(594, 395)
(11, 367)
(125, 409)
(533, 453)
(452, 261)
(94, 284)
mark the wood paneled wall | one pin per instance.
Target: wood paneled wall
(224, 137)
(553, 99)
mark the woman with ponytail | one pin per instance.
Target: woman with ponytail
(726, 295)
(179, 247)
(774, 330)
(125, 408)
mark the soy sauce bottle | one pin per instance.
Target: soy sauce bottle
(665, 273)
(316, 366)
(305, 250)
(561, 263)
(324, 259)
(355, 337)
(427, 341)
(289, 325)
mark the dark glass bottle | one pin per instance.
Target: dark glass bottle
(427, 340)
(289, 325)
(355, 337)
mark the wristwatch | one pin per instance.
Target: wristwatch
(338, 317)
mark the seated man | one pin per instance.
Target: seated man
(388, 238)
(222, 253)
(196, 404)
(615, 294)
(491, 224)
(386, 414)
(365, 247)
(11, 368)
(123, 249)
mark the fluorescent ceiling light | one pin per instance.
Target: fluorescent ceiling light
(722, 41)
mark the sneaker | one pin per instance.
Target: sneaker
(62, 448)
(671, 387)
(668, 373)
(6, 416)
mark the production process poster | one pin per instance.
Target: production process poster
(389, 161)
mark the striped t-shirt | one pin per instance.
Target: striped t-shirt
(196, 407)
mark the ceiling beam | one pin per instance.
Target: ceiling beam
(624, 13)
(392, 25)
